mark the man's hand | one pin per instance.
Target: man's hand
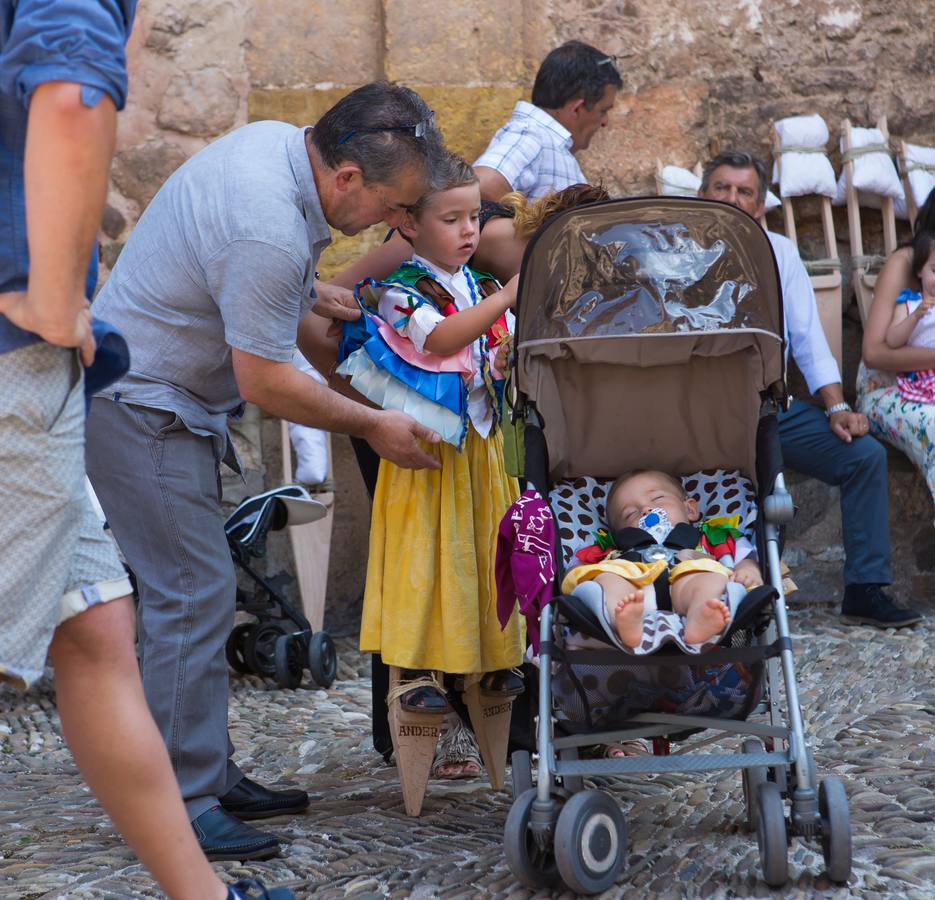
(747, 573)
(393, 436)
(335, 303)
(71, 330)
(849, 424)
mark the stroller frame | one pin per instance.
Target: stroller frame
(281, 643)
(556, 827)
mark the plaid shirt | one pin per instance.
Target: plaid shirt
(533, 152)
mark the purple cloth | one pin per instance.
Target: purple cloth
(525, 563)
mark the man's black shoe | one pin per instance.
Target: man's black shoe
(251, 889)
(868, 604)
(221, 836)
(249, 800)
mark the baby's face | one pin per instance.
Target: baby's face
(649, 490)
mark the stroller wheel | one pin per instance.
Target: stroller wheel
(520, 772)
(533, 865)
(771, 834)
(260, 648)
(288, 660)
(752, 778)
(835, 829)
(322, 659)
(235, 648)
(590, 842)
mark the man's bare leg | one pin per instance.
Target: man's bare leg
(624, 604)
(120, 752)
(697, 597)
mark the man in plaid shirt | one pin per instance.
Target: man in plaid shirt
(534, 153)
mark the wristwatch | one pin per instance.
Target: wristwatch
(838, 407)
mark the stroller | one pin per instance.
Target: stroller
(280, 644)
(650, 335)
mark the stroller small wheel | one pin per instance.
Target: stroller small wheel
(235, 648)
(260, 648)
(533, 865)
(590, 842)
(288, 660)
(520, 772)
(752, 778)
(835, 828)
(771, 834)
(322, 659)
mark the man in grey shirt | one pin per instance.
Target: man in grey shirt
(209, 292)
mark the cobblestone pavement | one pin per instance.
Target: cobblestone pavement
(869, 699)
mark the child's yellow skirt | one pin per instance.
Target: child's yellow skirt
(431, 599)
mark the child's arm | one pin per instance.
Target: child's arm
(459, 331)
(747, 573)
(902, 323)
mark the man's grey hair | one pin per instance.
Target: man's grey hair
(737, 159)
(384, 129)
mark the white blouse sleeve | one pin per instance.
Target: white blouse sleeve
(417, 326)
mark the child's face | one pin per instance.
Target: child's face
(927, 276)
(646, 491)
(447, 230)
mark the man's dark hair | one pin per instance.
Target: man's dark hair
(737, 159)
(383, 128)
(574, 70)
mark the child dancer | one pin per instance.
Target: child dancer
(914, 321)
(430, 597)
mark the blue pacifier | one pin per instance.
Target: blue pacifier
(656, 522)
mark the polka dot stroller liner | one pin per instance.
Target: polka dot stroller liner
(601, 696)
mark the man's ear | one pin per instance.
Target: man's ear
(346, 175)
(575, 106)
(407, 226)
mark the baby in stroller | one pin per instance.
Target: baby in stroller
(702, 563)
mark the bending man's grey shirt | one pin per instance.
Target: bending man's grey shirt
(224, 256)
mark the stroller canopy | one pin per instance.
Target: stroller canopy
(648, 331)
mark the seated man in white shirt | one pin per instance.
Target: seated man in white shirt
(574, 90)
(831, 445)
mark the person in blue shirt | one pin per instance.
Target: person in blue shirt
(62, 587)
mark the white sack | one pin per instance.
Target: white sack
(874, 173)
(920, 164)
(808, 171)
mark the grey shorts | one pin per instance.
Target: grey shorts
(55, 559)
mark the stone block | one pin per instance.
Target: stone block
(112, 222)
(657, 121)
(140, 171)
(295, 105)
(202, 103)
(469, 116)
(297, 42)
(451, 45)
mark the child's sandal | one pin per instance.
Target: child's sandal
(457, 752)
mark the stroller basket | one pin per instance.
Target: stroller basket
(603, 689)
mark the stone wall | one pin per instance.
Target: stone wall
(699, 76)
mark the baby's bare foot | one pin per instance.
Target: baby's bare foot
(705, 620)
(628, 619)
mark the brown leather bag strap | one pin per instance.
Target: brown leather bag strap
(432, 289)
(488, 286)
